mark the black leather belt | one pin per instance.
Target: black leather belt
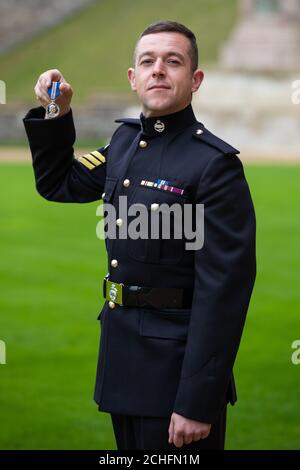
(147, 297)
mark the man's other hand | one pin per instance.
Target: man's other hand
(44, 83)
(184, 431)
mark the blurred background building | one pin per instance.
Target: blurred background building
(266, 38)
(245, 97)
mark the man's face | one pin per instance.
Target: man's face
(163, 77)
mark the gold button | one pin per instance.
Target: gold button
(111, 304)
(199, 131)
(154, 206)
(114, 263)
(143, 144)
(103, 195)
(126, 183)
(119, 222)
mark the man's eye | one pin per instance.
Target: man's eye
(174, 61)
(146, 61)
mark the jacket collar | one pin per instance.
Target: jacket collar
(154, 126)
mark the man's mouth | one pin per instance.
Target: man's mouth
(159, 87)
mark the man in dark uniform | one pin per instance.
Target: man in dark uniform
(173, 317)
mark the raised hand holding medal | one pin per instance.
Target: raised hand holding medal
(52, 85)
(52, 109)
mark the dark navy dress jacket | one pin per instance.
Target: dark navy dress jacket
(156, 361)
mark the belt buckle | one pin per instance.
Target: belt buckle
(113, 291)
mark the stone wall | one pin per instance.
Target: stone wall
(252, 112)
(92, 122)
(22, 19)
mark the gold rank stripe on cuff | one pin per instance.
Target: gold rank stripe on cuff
(92, 160)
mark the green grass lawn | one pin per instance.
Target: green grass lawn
(93, 48)
(50, 276)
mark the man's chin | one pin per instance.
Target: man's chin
(158, 107)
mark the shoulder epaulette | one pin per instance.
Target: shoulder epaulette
(206, 136)
(93, 159)
(135, 122)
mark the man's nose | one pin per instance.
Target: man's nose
(158, 68)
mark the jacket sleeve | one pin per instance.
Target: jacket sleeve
(59, 176)
(225, 270)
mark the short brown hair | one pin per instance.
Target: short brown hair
(174, 27)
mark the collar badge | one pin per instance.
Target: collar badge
(159, 126)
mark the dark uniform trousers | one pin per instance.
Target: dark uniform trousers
(144, 432)
(156, 359)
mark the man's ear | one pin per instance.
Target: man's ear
(197, 80)
(131, 78)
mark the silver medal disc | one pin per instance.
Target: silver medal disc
(52, 110)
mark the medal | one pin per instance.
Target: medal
(52, 109)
